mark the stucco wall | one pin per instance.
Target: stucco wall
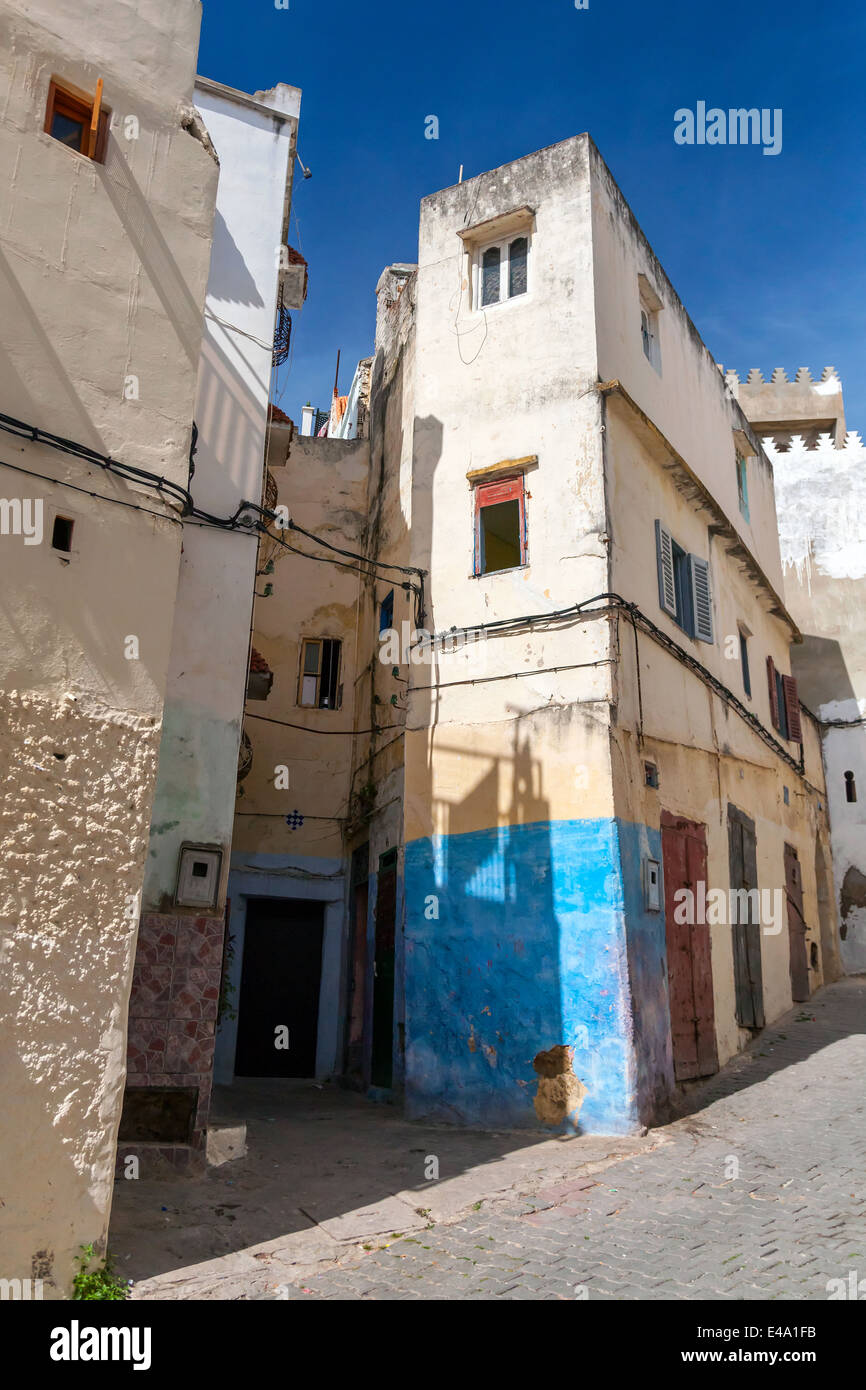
(822, 520)
(687, 398)
(102, 276)
(74, 815)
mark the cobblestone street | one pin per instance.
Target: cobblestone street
(787, 1118)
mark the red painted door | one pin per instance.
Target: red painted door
(796, 927)
(690, 972)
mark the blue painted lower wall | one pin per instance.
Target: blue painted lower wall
(541, 941)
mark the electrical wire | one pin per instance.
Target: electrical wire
(190, 513)
(349, 733)
(614, 601)
(353, 555)
(164, 486)
(100, 496)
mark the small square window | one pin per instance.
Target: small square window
(319, 687)
(650, 307)
(386, 613)
(61, 534)
(77, 120)
(500, 526)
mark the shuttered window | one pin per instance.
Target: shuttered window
(792, 709)
(773, 691)
(685, 592)
(665, 557)
(702, 600)
(784, 703)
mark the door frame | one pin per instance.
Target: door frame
(796, 938)
(253, 881)
(706, 1039)
(746, 938)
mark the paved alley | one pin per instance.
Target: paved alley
(757, 1194)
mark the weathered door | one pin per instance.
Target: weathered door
(796, 926)
(354, 1061)
(383, 972)
(280, 982)
(690, 972)
(748, 972)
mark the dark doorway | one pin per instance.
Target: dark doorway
(158, 1115)
(748, 971)
(796, 927)
(359, 899)
(383, 972)
(278, 1010)
(690, 971)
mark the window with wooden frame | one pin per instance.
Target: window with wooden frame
(784, 704)
(500, 526)
(319, 681)
(77, 120)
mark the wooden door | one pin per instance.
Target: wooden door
(796, 927)
(690, 972)
(748, 972)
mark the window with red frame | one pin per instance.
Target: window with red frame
(500, 526)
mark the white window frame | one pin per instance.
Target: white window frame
(503, 245)
(651, 307)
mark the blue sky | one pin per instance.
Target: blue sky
(767, 253)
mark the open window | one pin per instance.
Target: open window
(784, 704)
(743, 485)
(77, 119)
(319, 683)
(500, 526)
(684, 586)
(745, 634)
(650, 309)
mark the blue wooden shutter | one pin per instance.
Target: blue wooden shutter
(702, 599)
(665, 562)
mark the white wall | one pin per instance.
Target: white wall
(102, 276)
(207, 679)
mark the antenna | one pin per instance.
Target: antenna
(337, 374)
